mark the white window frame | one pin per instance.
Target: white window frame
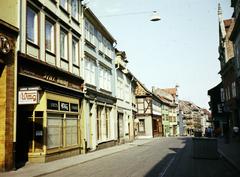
(90, 71)
(100, 41)
(64, 4)
(75, 10)
(52, 36)
(63, 45)
(32, 25)
(75, 53)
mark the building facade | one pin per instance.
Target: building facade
(50, 89)
(9, 30)
(99, 74)
(235, 38)
(169, 110)
(125, 116)
(216, 104)
(149, 113)
(228, 71)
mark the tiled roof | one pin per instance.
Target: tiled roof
(172, 91)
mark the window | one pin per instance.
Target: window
(32, 25)
(63, 3)
(91, 34)
(75, 50)
(141, 126)
(86, 30)
(75, 8)
(238, 54)
(222, 95)
(90, 68)
(105, 79)
(54, 130)
(100, 42)
(234, 93)
(107, 121)
(49, 36)
(63, 45)
(99, 111)
(71, 130)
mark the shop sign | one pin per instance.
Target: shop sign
(52, 104)
(64, 106)
(74, 107)
(27, 97)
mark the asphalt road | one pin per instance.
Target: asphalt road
(147, 160)
(163, 157)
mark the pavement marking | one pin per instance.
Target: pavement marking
(169, 164)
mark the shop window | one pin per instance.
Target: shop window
(71, 130)
(54, 130)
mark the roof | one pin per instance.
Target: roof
(227, 22)
(98, 24)
(172, 91)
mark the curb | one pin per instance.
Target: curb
(229, 160)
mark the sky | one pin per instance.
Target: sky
(181, 48)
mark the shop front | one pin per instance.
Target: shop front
(49, 123)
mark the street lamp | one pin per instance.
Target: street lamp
(155, 16)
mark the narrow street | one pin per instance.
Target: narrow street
(164, 157)
(147, 160)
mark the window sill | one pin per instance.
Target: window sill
(64, 10)
(50, 53)
(108, 58)
(75, 20)
(63, 59)
(76, 66)
(100, 53)
(89, 44)
(105, 91)
(91, 86)
(33, 44)
(54, 1)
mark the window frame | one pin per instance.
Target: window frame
(75, 16)
(35, 23)
(65, 5)
(65, 44)
(75, 60)
(52, 36)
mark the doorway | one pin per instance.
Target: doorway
(24, 135)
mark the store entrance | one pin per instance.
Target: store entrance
(24, 135)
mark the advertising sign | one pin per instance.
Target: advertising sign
(27, 97)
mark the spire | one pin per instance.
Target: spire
(219, 10)
(220, 20)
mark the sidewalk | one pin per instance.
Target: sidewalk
(184, 165)
(36, 169)
(230, 151)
